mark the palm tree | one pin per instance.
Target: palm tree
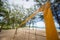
(1, 10)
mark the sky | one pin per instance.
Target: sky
(42, 24)
(26, 4)
(1, 18)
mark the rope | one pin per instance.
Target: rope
(29, 32)
(35, 34)
(24, 32)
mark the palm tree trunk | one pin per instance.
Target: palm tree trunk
(13, 26)
(1, 28)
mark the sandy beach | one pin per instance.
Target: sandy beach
(23, 34)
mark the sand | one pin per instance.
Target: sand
(23, 34)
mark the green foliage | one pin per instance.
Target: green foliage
(1, 3)
(6, 27)
(2, 23)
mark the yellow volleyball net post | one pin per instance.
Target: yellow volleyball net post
(51, 32)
